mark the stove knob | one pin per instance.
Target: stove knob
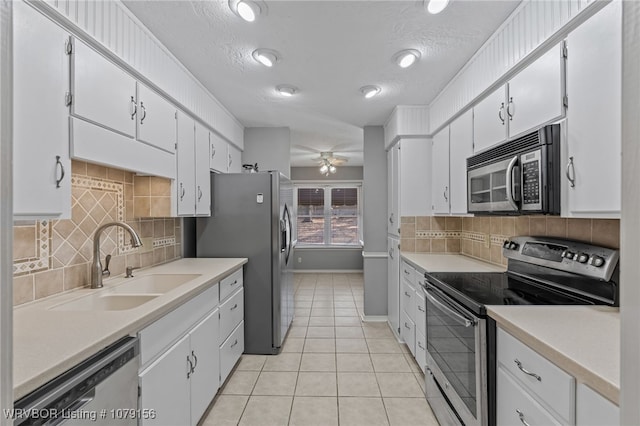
(596, 261)
(513, 246)
(583, 257)
(506, 244)
(568, 254)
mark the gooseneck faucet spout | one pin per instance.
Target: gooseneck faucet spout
(96, 264)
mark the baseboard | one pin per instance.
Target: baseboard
(328, 271)
(373, 318)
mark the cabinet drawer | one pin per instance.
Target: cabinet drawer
(516, 406)
(421, 350)
(408, 331)
(230, 284)
(408, 299)
(156, 337)
(231, 313)
(408, 272)
(420, 316)
(550, 384)
(230, 351)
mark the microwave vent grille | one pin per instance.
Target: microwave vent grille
(506, 149)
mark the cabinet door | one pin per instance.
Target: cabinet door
(390, 184)
(490, 121)
(165, 387)
(535, 93)
(414, 178)
(235, 159)
(218, 153)
(41, 164)
(102, 93)
(393, 177)
(203, 182)
(460, 148)
(185, 184)
(594, 133)
(440, 197)
(206, 355)
(393, 279)
(592, 409)
(156, 120)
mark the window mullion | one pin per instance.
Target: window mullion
(327, 215)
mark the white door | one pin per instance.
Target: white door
(490, 120)
(440, 172)
(594, 134)
(535, 93)
(219, 154)
(393, 279)
(235, 159)
(186, 177)
(165, 387)
(156, 120)
(205, 353)
(41, 163)
(202, 171)
(460, 148)
(102, 93)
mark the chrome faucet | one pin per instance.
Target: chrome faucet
(96, 265)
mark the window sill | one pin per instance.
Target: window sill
(329, 247)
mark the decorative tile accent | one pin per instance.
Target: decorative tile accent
(43, 249)
(162, 242)
(473, 236)
(498, 240)
(438, 234)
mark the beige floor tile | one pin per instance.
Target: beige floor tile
(404, 348)
(321, 321)
(409, 412)
(322, 312)
(357, 384)
(276, 383)
(354, 363)
(293, 344)
(321, 333)
(383, 346)
(421, 382)
(320, 345)
(283, 362)
(323, 304)
(377, 332)
(314, 411)
(300, 322)
(302, 312)
(347, 321)
(389, 363)
(362, 412)
(240, 383)
(297, 332)
(351, 346)
(345, 312)
(251, 362)
(303, 304)
(226, 410)
(345, 305)
(413, 364)
(318, 362)
(316, 384)
(399, 385)
(349, 333)
(343, 298)
(267, 410)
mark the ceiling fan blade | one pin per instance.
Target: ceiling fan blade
(306, 149)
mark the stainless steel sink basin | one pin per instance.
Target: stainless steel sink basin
(106, 302)
(152, 283)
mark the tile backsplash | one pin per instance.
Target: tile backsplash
(482, 237)
(50, 257)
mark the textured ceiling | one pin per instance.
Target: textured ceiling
(329, 50)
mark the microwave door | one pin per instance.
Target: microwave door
(494, 187)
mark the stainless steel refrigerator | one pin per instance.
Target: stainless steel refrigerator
(251, 217)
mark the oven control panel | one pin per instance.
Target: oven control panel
(565, 255)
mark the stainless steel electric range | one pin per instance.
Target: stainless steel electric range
(460, 379)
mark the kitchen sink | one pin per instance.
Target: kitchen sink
(107, 302)
(152, 283)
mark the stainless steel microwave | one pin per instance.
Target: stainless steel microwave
(521, 176)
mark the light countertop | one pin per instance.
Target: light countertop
(432, 262)
(582, 340)
(48, 342)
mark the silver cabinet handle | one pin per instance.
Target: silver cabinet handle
(446, 193)
(420, 308)
(234, 283)
(213, 150)
(234, 307)
(521, 416)
(234, 343)
(199, 193)
(407, 326)
(189, 367)
(527, 372)
(59, 163)
(511, 106)
(230, 160)
(407, 294)
(501, 112)
(420, 346)
(182, 191)
(195, 360)
(144, 113)
(134, 109)
(406, 272)
(571, 177)
(391, 218)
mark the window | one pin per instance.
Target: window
(328, 215)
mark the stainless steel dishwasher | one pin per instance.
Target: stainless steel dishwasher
(102, 390)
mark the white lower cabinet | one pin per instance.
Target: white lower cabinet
(205, 356)
(592, 409)
(231, 337)
(393, 282)
(230, 351)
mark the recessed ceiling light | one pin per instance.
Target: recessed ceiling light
(246, 9)
(370, 91)
(287, 90)
(406, 58)
(437, 6)
(266, 57)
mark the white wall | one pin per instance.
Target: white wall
(270, 147)
(313, 174)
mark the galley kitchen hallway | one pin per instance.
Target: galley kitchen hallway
(334, 369)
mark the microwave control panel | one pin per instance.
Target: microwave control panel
(531, 180)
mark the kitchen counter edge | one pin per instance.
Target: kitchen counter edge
(440, 262)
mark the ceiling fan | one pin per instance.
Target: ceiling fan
(328, 162)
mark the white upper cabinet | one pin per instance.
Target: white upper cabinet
(415, 196)
(460, 148)
(235, 160)
(393, 190)
(490, 120)
(406, 120)
(155, 120)
(203, 183)
(186, 177)
(218, 153)
(103, 93)
(440, 173)
(536, 93)
(593, 150)
(41, 163)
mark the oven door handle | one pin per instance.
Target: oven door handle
(455, 314)
(509, 186)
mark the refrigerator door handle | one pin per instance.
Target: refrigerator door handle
(283, 236)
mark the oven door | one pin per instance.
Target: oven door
(456, 361)
(494, 187)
